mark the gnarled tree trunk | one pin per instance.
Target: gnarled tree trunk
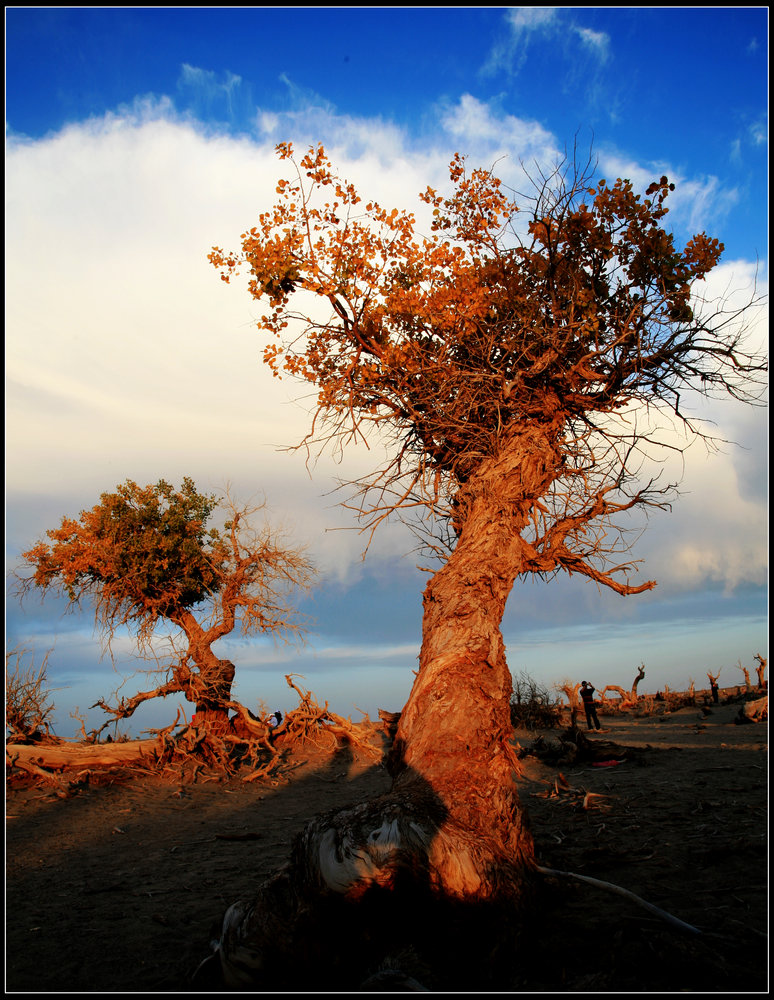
(210, 687)
(451, 836)
(454, 733)
(635, 683)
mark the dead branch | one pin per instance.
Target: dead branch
(760, 670)
(618, 890)
(12, 759)
(623, 695)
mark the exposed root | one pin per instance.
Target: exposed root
(252, 747)
(242, 744)
(320, 726)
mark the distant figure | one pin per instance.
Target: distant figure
(587, 696)
(275, 719)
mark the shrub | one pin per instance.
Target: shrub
(533, 706)
(28, 705)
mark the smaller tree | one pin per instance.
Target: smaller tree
(570, 690)
(713, 680)
(144, 556)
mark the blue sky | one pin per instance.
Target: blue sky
(138, 138)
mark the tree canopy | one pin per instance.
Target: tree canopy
(140, 554)
(564, 325)
(518, 361)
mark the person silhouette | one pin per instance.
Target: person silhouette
(587, 697)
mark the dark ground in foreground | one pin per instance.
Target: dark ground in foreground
(116, 888)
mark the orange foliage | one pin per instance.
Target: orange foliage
(145, 553)
(457, 342)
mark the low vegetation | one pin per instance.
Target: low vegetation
(534, 706)
(28, 698)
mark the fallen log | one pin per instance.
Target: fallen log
(57, 756)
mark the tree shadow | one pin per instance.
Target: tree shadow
(139, 867)
(140, 871)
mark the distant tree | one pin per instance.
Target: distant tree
(532, 704)
(519, 373)
(144, 556)
(760, 670)
(627, 697)
(714, 689)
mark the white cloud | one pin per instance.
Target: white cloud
(127, 357)
(717, 532)
(596, 41)
(528, 19)
(487, 136)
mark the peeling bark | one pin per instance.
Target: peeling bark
(452, 831)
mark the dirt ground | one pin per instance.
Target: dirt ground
(117, 888)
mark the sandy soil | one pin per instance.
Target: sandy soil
(117, 888)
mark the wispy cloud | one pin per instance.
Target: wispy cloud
(528, 26)
(210, 96)
(597, 42)
(758, 132)
(752, 138)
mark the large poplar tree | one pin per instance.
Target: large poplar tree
(521, 360)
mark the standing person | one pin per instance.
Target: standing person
(587, 696)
